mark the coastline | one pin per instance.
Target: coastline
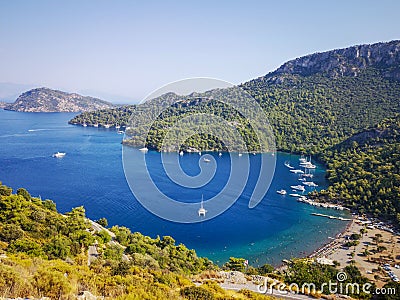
(328, 246)
(365, 255)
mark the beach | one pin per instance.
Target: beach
(376, 246)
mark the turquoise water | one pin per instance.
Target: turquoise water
(91, 174)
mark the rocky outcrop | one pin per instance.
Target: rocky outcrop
(48, 100)
(344, 62)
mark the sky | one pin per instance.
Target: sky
(124, 50)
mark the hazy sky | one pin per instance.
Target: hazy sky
(130, 48)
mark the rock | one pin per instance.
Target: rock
(344, 62)
(86, 295)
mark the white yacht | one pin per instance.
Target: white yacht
(206, 160)
(59, 154)
(281, 192)
(310, 166)
(298, 187)
(294, 195)
(144, 149)
(181, 153)
(310, 183)
(296, 171)
(302, 159)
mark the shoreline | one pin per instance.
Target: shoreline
(365, 255)
(330, 244)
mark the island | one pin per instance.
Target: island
(48, 100)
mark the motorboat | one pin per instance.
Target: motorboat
(281, 192)
(59, 154)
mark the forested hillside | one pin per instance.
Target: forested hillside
(312, 103)
(364, 171)
(46, 254)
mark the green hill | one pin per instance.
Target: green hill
(46, 254)
(312, 103)
(364, 171)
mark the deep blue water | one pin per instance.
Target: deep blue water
(91, 174)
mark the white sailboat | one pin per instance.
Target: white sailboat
(202, 211)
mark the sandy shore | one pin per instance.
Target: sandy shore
(369, 255)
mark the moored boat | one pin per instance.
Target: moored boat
(297, 171)
(298, 187)
(281, 192)
(287, 164)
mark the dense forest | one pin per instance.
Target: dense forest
(310, 114)
(364, 171)
(307, 114)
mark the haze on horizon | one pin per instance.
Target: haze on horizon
(123, 50)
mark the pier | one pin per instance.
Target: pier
(330, 217)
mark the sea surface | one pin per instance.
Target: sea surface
(92, 175)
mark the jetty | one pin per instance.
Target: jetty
(330, 217)
(321, 204)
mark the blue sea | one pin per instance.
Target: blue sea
(92, 175)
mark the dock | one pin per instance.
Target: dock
(330, 217)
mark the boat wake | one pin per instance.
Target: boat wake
(40, 129)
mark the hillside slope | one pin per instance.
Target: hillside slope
(48, 100)
(46, 254)
(364, 171)
(313, 102)
(316, 101)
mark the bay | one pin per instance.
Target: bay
(92, 175)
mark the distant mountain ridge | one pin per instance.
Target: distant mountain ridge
(48, 100)
(343, 62)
